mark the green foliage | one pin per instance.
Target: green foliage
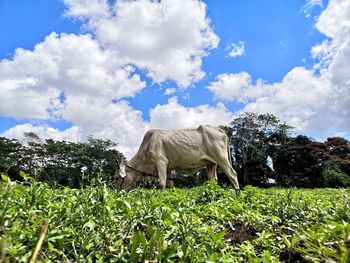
(302, 163)
(328, 243)
(253, 138)
(203, 224)
(336, 179)
(256, 141)
(299, 161)
(60, 163)
(337, 165)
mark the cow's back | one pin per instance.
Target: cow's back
(189, 149)
(184, 149)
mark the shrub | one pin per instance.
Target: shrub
(334, 178)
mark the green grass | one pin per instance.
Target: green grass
(203, 224)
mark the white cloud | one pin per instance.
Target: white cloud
(300, 98)
(121, 123)
(314, 100)
(169, 91)
(65, 64)
(44, 132)
(73, 78)
(87, 8)
(25, 97)
(166, 38)
(236, 49)
(305, 100)
(297, 98)
(334, 21)
(229, 86)
(175, 116)
(118, 122)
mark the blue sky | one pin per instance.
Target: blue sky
(170, 66)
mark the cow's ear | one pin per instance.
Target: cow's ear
(122, 172)
(120, 163)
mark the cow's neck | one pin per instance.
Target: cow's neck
(141, 165)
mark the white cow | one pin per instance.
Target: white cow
(187, 150)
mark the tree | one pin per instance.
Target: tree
(31, 137)
(252, 136)
(301, 163)
(101, 156)
(9, 154)
(337, 162)
(60, 166)
(76, 164)
(31, 159)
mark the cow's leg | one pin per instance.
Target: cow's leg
(162, 166)
(211, 173)
(230, 172)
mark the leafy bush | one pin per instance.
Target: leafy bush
(336, 179)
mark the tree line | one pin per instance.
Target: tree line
(263, 152)
(59, 163)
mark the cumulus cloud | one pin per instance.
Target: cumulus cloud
(44, 132)
(334, 21)
(34, 83)
(175, 116)
(71, 77)
(118, 122)
(236, 49)
(334, 57)
(314, 99)
(167, 39)
(26, 97)
(239, 87)
(300, 98)
(87, 8)
(122, 124)
(229, 86)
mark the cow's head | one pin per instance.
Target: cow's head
(125, 176)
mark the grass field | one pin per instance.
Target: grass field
(203, 224)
